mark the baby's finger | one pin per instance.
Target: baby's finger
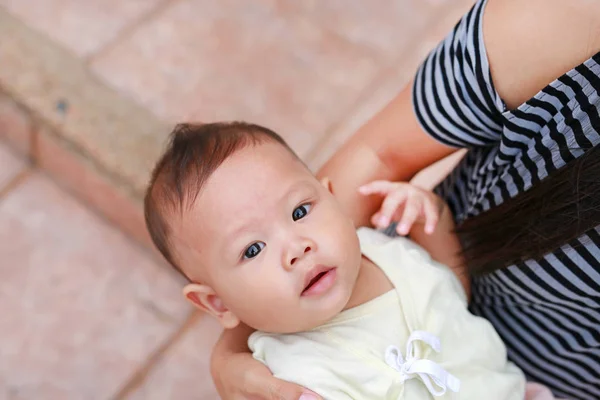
(380, 187)
(432, 215)
(389, 206)
(375, 218)
(412, 209)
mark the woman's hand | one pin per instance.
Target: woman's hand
(406, 204)
(238, 376)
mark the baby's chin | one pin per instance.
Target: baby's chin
(305, 320)
(296, 328)
(318, 317)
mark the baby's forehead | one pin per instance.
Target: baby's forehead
(254, 176)
(224, 205)
(249, 184)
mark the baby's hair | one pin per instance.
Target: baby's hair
(194, 152)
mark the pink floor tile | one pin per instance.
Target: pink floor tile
(233, 59)
(385, 26)
(84, 26)
(10, 165)
(81, 305)
(183, 372)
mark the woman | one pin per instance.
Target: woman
(518, 84)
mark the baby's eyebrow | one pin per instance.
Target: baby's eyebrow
(234, 233)
(293, 190)
(298, 187)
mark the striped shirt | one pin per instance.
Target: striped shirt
(547, 310)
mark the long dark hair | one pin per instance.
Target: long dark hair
(552, 213)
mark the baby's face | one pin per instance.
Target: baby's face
(271, 241)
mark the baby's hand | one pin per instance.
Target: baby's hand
(405, 203)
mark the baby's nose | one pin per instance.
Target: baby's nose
(306, 250)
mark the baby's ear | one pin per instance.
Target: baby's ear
(326, 182)
(206, 299)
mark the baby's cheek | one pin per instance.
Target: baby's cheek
(266, 289)
(237, 289)
(342, 232)
(330, 219)
(273, 313)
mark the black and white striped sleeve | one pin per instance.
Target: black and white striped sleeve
(453, 95)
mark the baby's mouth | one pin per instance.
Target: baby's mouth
(318, 280)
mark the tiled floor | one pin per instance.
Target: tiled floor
(265, 65)
(297, 67)
(11, 165)
(86, 313)
(85, 27)
(82, 306)
(180, 373)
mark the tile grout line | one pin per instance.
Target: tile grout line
(139, 376)
(126, 31)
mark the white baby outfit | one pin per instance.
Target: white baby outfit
(417, 341)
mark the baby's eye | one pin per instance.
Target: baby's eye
(301, 212)
(253, 250)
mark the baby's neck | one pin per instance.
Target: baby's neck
(370, 283)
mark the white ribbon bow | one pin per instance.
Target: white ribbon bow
(427, 370)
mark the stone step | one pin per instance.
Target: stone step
(91, 139)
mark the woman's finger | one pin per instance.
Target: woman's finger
(379, 187)
(412, 209)
(281, 390)
(432, 215)
(389, 206)
(270, 388)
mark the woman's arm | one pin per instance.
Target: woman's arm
(232, 341)
(391, 146)
(237, 375)
(529, 44)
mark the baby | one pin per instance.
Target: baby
(348, 314)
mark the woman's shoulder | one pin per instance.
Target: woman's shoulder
(531, 43)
